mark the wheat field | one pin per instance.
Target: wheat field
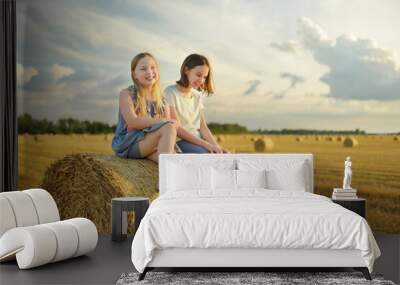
(376, 164)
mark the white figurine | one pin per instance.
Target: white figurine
(347, 174)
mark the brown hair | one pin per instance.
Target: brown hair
(191, 62)
(141, 104)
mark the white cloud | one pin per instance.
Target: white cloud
(290, 47)
(358, 68)
(58, 71)
(25, 74)
(311, 34)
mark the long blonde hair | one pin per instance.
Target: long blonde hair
(141, 104)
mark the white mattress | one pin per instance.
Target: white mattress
(252, 219)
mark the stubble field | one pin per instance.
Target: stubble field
(376, 164)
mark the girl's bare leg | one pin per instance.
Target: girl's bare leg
(167, 139)
(159, 141)
(153, 156)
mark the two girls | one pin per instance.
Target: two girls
(148, 125)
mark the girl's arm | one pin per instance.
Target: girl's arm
(133, 122)
(168, 116)
(186, 135)
(207, 135)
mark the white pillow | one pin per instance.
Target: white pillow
(281, 174)
(224, 179)
(251, 178)
(292, 178)
(182, 177)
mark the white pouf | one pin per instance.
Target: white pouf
(31, 230)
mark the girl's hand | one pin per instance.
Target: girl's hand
(214, 148)
(225, 151)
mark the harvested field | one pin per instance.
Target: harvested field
(376, 165)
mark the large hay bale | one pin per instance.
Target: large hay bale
(220, 139)
(84, 184)
(317, 138)
(350, 142)
(339, 139)
(299, 139)
(396, 138)
(263, 144)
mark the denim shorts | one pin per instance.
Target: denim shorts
(188, 147)
(133, 149)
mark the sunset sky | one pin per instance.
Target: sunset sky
(328, 64)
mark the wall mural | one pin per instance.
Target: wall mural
(320, 77)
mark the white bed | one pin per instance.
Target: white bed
(226, 226)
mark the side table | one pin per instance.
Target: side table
(119, 218)
(355, 205)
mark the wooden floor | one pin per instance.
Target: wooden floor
(111, 259)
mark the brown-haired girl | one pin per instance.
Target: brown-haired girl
(186, 106)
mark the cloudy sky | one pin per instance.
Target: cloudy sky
(329, 64)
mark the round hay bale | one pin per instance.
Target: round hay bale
(339, 139)
(329, 139)
(84, 184)
(350, 142)
(35, 138)
(220, 139)
(299, 139)
(253, 139)
(317, 138)
(261, 145)
(396, 139)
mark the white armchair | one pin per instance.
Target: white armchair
(31, 230)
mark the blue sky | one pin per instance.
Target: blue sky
(328, 64)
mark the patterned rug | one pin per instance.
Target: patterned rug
(231, 278)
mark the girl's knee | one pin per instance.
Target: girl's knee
(168, 128)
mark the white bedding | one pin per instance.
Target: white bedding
(250, 218)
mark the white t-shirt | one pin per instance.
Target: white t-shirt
(187, 108)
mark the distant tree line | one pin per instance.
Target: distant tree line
(238, 129)
(217, 128)
(310, 132)
(29, 125)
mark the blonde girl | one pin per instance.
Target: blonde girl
(144, 128)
